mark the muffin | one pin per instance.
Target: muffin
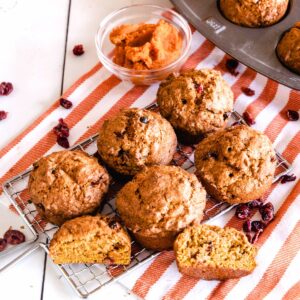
(213, 253)
(136, 138)
(288, 48)
(91, 239)
(195, 102)
(67, 184)
(159, 203)
(236, 164)
(254, 13)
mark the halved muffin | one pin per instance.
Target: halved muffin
(211, 252)
(91, 239)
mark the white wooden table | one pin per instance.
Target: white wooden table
(37, 38)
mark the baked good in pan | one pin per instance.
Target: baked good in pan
(254, 13)
(195, 102)
(159, 203)
(213, 253)
(136, 138)
(67, 184)
(288, 48)
(91, 239)
(236, 164)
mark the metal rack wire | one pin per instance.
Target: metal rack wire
(88, 278)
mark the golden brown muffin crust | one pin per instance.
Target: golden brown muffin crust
(160, 202)
(91, 239)
(254, 13)
(288, 48)
(236, 164)
(136, 138)
(196, 101)
(67, 184)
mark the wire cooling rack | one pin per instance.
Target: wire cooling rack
(88, 278)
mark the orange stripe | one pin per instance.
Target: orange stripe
(54, 106)
(273, 130)
(181, 288)
(266, 96)
(278, 266)
(293, 293)
(153, 273)
(49, 139)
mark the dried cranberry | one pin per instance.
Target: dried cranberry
(267, 212)
(226, 115)
(292, 115)
(248, 118)
(3, 115)
(144, 120)
(242, 211)
(231, 65)
(6, 88)
(3, 244)
(247, 226)
(210, 154)
(257, 225)
(183, 101)
(78, 50)
(255, 236)
(65, 103)
(287, 178)
(113, 224)
(255, 203)
(62, 129)
(199, 88)
(247, 91)
(14, 237)
(63, 142)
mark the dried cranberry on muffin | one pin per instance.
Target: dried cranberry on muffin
(236, 164)
(67, 184)
(195, 102)
(254, 13)
(136, 138)
(288, 48)
(159, 203)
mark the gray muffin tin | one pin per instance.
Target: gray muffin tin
(254, 47)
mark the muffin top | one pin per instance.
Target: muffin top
(196, 101)
(66, 184)
(236, 164)
(288, 48)
(254, 13)
(161, 198)
(136, 138)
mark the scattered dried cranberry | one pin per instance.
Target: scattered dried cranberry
(113, 224)
(144, 120)
(231, 65)
(248, 118)
(257, 225)
(63, 142)
(255, 203)
(3, 115)
(287, 178)
(247, 226)
(6, 88)
(242, 211)
(255, 236)
(14, 237)
(61, 129)
(78, 50)
(226, 115)
(3, 244)
(65, 103)
(267, 212)
(199, 88)
(247, 91)
(292, 115)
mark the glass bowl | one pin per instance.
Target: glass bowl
(141, 14)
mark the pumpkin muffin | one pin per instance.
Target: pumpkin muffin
(159, 203)
(288, 48)
(236, 164)
(213, 253)
(254, 13)
(136, 138)
(195, 102)
(91, 239)
(67, 184)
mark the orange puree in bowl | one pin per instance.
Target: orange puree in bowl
(146, 46)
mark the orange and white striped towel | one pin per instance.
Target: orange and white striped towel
(98, 95)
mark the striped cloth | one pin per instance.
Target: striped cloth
(98, 95)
